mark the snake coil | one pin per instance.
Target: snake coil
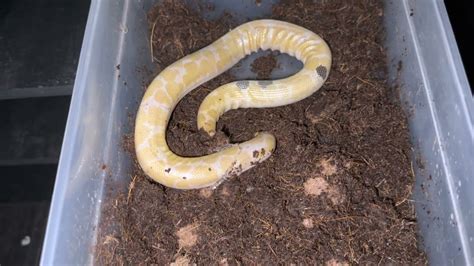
(178, 79)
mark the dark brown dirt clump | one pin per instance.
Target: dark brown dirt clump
(264, 65)
(336, 191)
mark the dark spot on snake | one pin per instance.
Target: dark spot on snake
(255, 154)
(210, 169)
(264, 83)
(242, 84)
(168, 170)
(262, 151)
(184, 177)
(322, 71)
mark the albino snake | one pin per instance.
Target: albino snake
(178, 79)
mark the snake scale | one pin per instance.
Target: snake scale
(178, 79)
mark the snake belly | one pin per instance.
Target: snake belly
(174, 82)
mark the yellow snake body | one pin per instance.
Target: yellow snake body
(178, 79)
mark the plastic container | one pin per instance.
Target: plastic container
(434, 89)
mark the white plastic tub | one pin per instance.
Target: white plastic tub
(435, 90)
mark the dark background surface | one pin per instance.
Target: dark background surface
(39, 46)
(461, 16)
(40, 42)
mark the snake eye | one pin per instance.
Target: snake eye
(322, 71)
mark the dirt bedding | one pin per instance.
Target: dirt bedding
(337, 189)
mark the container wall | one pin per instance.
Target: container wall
(115, 61)
(439, 103)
